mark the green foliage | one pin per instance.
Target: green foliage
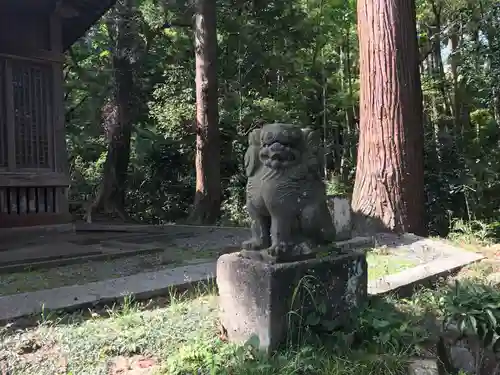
(287, 61)
(471, 232)
(215, 357)
(335, 186)
(475, 310)
(384, 327)
(277, 78)
(210, 357)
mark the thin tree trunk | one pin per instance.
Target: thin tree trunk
(460, 106)
(438, 68)
(342, 132)
(389, 186)
(496, 104)
(118, 117)
(489, 31)
(348, 135)
(454, 61)
(207, 201)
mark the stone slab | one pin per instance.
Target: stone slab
(273, 302)
(423, 272)
(141, 286)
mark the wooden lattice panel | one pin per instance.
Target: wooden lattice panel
(3, 119)
(28, 200)
(31, 84)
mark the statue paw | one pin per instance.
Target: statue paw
(253, 244)
(277, 250)
(290, 252)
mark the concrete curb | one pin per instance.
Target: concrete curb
(141, 286)
(154, 284)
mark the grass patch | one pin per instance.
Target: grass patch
(178, 339)
(381, 264)
(82, 345)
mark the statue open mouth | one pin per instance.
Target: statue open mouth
(281, 145)
(278, 155)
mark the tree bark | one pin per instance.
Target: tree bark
(389, 186)
(118, 117)
(207, 200)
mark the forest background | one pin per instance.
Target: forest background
(131, 119)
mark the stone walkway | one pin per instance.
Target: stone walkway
(152, 284)
(97, 242)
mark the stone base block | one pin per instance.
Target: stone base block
(272, 301)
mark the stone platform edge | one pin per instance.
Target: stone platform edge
(404, 282)
(34, 231)
(148, 285)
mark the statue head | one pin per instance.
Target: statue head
(282, 145)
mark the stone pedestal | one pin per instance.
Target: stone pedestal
(271, 301)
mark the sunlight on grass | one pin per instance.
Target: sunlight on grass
(85, 346)
(178, 339)
(180, 336)
(380, 265)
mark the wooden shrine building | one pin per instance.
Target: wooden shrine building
(33, 158)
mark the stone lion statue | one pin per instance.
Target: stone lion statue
(286, 198)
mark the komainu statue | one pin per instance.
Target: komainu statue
(286, 197)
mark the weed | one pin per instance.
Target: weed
(87, 346)
(335, 186)
(245, 360)
(475, 310)
(472, 232)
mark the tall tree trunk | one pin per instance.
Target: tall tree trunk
(389, 186)
(207, 200)
(118, 116)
